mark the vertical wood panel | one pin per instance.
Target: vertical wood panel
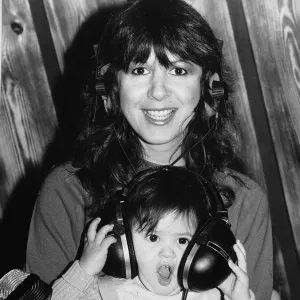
(74, 30)
(273, 31)
(28, 127)
(216, 13)
(65, 18)
(28, 119)
(2, 193)
(276, 50)
(258, 135)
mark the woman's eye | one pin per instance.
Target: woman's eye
(178, 71)
(152, 238)
(183, 241)
(140, 71)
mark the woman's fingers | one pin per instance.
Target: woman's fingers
(92, 230)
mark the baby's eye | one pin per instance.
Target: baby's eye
(178, 72)
(183, 241)
(140, 71)
(152, 238)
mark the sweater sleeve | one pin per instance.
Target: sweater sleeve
(56, 226)
(250, 220)
(76, 284)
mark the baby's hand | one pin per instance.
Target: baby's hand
(236, 286)
(95, 248)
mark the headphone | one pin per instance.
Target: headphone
(204, 264)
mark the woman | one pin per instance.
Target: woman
(164, 103)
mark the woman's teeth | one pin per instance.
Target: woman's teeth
(159, 115)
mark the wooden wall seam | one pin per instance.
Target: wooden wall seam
(46, 44)
(275, 190)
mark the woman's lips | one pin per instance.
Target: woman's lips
(159, 117)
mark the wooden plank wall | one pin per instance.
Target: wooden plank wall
(265, 53)
(28, 121)
(46, 55)
(277, 56)
(33, 105)
(274, 30)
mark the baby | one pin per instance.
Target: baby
(164, 206)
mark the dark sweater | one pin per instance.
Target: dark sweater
(59, 219)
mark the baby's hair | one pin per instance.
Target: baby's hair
(157, 192)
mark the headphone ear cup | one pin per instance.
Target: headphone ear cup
(121, 261)
(115, 264)
(204, 264)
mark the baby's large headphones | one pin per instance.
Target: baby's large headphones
(204, 264)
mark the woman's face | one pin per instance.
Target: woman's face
(159, 102)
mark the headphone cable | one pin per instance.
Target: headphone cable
(131, 165)
(184, 294)
(189, 149)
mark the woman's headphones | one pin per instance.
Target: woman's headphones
(204, 264)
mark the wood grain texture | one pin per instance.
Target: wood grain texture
(275, 36)
(276, 50)
(216, 13)
(28, 119)
(282, 283)
(2, 176)
(66, 17)
(74, 30)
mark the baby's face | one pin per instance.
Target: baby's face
(159, 253)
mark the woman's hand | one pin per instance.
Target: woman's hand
(95, 248)
(236, 286)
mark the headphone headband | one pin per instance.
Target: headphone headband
(212, 194)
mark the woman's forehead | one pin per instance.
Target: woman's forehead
(170, 56)
(165, 58)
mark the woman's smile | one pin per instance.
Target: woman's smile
(159, 117)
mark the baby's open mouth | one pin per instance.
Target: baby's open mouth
(164, 274)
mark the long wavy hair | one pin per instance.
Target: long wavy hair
(137, 28)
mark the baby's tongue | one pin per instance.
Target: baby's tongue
(164, 275)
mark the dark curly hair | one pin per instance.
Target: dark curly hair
(155, 192)
(130, 35)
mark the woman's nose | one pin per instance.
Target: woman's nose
(158, 89)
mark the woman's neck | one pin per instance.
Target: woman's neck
(162, 154)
